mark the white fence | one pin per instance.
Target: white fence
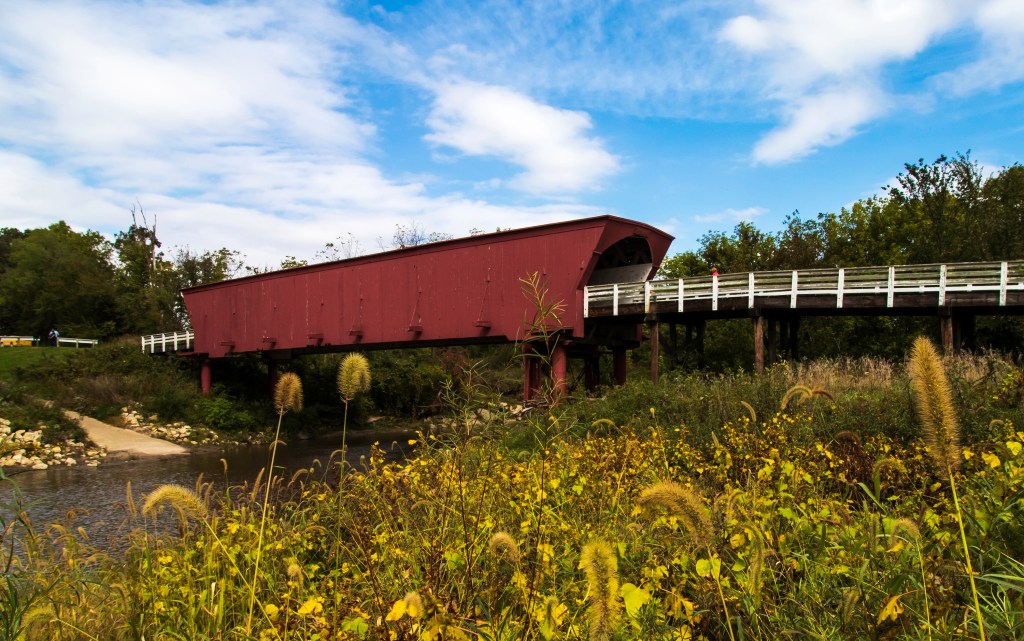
(940, 280)
(167, 342)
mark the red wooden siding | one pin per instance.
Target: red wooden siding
(460, 291)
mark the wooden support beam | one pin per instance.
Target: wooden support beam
(205, 377)
(591, 372)
(655, 328)
(559, 365)
(772, 340)
(619, 365)
(946, 323)
(794, 338)
(702, 326)
(758, 344)
(272, 376)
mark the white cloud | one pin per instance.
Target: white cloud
(820, 120)
(1001, 60)
(823, 60)
(551, 144)
(731, 215)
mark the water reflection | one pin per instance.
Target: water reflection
(97, 495)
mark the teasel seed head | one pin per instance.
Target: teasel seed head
(353, 376)
(602, 569)
(288, 393)
(934, 401)
(684, 505)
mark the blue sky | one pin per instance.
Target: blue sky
(275, 127)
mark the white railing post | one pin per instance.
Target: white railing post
(615, 299)
(792, 291)
(647, 297)
(714, 293)
(892, 285)
(750, 290)
(942, 285)
(586, 302)
(840, 284)
(1003, 278)
(681, 290)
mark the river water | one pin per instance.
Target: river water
(98, 494)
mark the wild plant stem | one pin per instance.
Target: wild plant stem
(967, 555)
(721, 595)
(263, 523)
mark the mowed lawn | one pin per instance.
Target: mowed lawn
(12, 358)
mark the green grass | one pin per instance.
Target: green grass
(12, 358)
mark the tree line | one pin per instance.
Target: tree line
(88, 286)
(940, 212)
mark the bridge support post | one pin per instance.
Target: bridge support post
(963, 332)
(619, 365)
(205, 377)
(772, 340)
(758, 344)
(531, 373)
(702, 326)
(655, 328)
(272, 374)
(559, 366)
(794, 338)
(946, 327)
(592, 372)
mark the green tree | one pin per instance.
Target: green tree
(146, 283)
(63, 278)
(1002, 209)
(192, 269)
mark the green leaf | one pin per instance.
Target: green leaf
(634, 598)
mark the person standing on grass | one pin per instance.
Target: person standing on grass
(54, 337)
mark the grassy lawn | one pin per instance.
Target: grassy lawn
(12, 358)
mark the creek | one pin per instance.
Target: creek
(97, 495)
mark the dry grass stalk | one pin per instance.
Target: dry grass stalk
(602, 569)
(934, 401)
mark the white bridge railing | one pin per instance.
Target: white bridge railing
(940, 280)
(167, 342)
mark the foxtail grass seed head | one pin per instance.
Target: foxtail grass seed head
(682, 504)
(906, 529)
(503, 543)
(353, 376)
(182, 498)
(934, 401)
(288, 393)
(602, 569)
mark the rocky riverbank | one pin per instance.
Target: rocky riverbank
(25, 449)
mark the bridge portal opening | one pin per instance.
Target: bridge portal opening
(628, 260)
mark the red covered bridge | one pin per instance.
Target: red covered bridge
(456, 292)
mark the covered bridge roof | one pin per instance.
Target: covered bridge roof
(461, 291)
